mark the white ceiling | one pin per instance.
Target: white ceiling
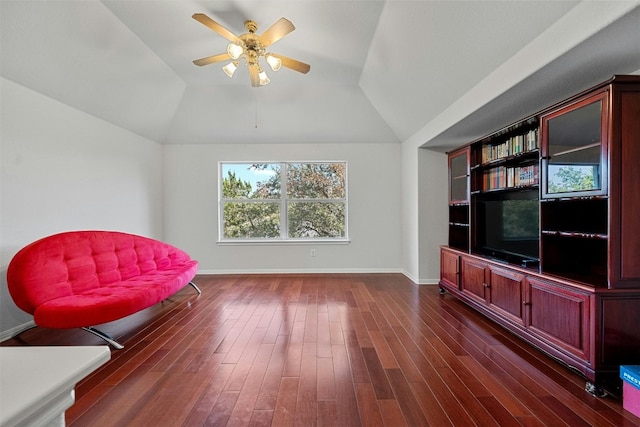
(434, 73)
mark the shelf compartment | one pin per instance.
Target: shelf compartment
(459, 236)
(575, 257)
(459, 214)
(519, 158)
(586, 216)
(512, 144)
(506, 176)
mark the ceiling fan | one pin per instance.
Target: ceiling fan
(251, 47)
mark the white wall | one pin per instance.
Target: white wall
(62, 169)
(425, 216)
(375, 214)
(432, 212)
(410, 214)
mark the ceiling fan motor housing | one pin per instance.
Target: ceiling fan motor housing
(251, 26)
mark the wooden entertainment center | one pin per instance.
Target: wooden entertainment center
(544, 230)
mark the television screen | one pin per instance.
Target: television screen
(509, 229)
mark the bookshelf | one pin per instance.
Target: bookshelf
(507, 160)
(544, 219)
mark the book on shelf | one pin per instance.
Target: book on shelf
(509, 177)
(514, 145)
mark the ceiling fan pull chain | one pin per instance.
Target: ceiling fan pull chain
(256, 111)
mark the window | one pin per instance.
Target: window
(284, 201)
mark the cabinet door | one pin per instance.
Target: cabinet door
(459, 176)
(449, 269)
(472, 280)
(559, 315)
(506, 293)
(574, 149)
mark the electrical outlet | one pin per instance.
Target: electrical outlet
(313, 252)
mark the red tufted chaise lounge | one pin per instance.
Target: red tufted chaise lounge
(78, 279)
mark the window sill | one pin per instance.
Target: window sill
(261, 242)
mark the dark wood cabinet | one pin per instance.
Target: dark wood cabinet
(551, 247)
(459, 177)
(507, 293)
(560, 316)
(450, 269)
(472, 278)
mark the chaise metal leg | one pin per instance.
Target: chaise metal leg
(25, 329)
(195, 287)
(104, 336)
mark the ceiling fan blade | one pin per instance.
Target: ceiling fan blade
(278, 30)
(293, 64)
(211, 59)
(253, 75)
(205, 20)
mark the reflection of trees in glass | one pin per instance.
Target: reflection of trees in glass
(233, 188)
(251, 220)
(269, 189)
(520, 219)
(316, 219)
(567, 178)
(247, 219)
(311, 187)
(316, 180)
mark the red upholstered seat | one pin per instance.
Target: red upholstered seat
(85, 278)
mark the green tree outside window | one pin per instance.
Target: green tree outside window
(284, 200)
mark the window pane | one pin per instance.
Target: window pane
(251, 180)
(251, 220)
(316, 180)
(316, 220)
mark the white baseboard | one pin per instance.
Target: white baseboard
(302, 271)
(327, 271)
(429, 282)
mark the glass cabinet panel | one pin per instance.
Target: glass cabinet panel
(574, 146)
(459, 177)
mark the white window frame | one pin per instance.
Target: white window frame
(282, 201)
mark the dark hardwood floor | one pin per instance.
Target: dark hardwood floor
(326, 349)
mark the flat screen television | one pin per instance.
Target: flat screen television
(509, 228)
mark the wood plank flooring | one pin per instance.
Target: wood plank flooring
(323, 350)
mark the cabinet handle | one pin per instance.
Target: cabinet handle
(526, 303)
(486, 285)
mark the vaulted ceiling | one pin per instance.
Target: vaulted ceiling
(432, 73)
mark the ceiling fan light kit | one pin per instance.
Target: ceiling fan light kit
(234, 50)
(230, 68)
(250, 47)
